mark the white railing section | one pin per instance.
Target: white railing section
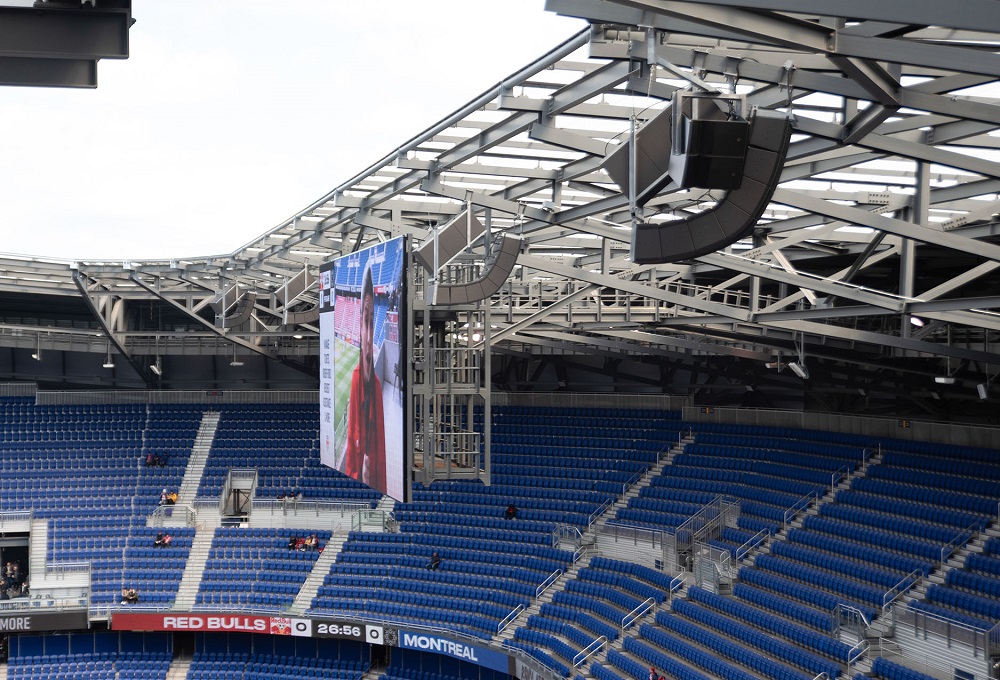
(544, 585)
(509, 619)
(961, 538)
(636, 614)
(909, 581)
(752, 543)
(856, 652)
(588, 651)
(796, 507)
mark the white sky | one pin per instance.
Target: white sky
(230, 116)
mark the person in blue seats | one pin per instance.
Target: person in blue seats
(435, 561)
(158, 541)
(511, 513)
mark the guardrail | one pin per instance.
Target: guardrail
(796, 507)
(838, 475)
(676, 584)
(62, 569)
(961, 538)
(636, 614)
(857, 651)
(185, 513)
(597, 513)
(984, 639)
(15, 517)
(37, 602)
(901, 588)
(752, 543)
(509, 618)
(587, 652)
(544, 585)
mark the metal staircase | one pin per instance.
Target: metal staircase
(199, 455)
(319, 571)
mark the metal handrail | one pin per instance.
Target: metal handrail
(795, 507)
(584, 654)
(509, 618)
(835, 479)
(752, 543)
(676, 583)
(917, 577)
(636, 614)
(543, 586)
(597, 513)
(854, 611)
(857, 651)
(961, 538)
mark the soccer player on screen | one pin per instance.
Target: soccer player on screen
(364, 458)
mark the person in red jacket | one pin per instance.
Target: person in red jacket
(364, 458)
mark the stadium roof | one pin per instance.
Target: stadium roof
(874, 266)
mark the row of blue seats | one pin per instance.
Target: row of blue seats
(764, 643)
(925, 513)
(669, 666)
(558, 512)
(493, 534)
(890, 670)
(946, 613)
(599, 592)
(976, 583)
(546, 482)
(799, 591)
(957, 599)
(557, 456)
(925, 531)
(577, 617)
(857, 551)
(778, 625)
(657, 578)
(254, 600)
(666, 493)
(856, 571)
(728, 649)
(869, 534)
(516, 591)
(622, 582)
(849, 589)
(630, 668)
(746, 458)
(573, 634)
(259, 568)
(981, 469)
(647, 519)
(921, 494)
(848, 452)
(446, 591)
(473, 624)
(495, 522)
(590, 605)
(419, 555)
(985, 563)
(690, 653)
(542, 639)
(374, 542)
(946, 482)
(585, 497)
(787, 608)
(546, 660)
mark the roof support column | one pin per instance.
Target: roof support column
(908, 252)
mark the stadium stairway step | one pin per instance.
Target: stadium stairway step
(3, 671)
(199, 455)
(179, 668)
(319, 571)
(546, 596)
(193, 570)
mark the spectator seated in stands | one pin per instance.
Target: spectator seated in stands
(167, 540)
(293, 541)
(312, 543)
(435, 561)
(300, 544)
(158, 541)
(510, 512)
(130, 596)
(163, 497)
(149, 460)
(172, 498)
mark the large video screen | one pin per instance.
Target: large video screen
(362, 349)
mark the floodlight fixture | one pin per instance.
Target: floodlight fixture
(799, 369)
(156, 367)
(944, 380)
(984, 391)
(235, 361)
(37, 354)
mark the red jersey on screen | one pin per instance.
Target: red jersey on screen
(365, 432)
